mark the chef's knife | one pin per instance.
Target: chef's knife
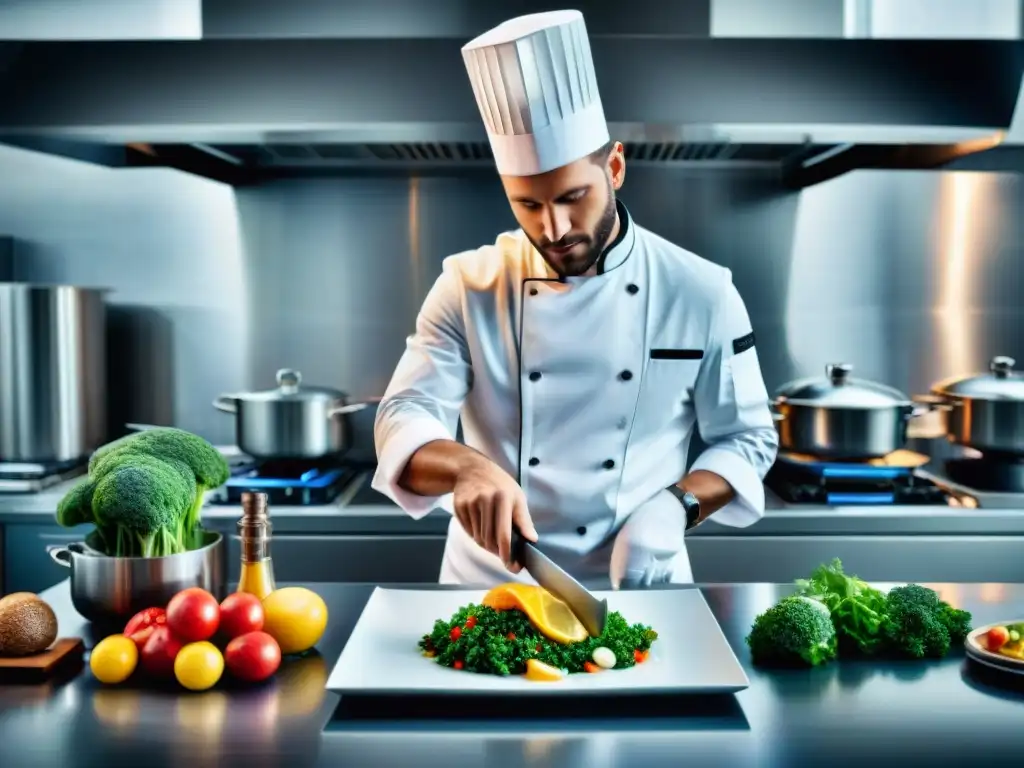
(591, 612)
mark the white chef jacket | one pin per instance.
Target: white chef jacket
(584, 389)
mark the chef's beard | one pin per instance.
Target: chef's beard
(576, 264)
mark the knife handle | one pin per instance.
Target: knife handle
(517, 549)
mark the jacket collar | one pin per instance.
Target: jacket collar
(618, 250)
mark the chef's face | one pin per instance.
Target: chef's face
(569, 213)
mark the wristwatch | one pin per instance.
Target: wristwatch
(691, 504)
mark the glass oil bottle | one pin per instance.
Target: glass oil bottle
(257, 576)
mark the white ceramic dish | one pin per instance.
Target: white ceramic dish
(979, 653)
(691, 654)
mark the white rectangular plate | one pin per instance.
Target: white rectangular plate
(690, 656)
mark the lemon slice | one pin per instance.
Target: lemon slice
(538, 671)
(547, 613)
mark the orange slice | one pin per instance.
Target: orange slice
(541, 672)
(547, 613)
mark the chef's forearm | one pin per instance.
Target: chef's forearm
(712, 491)
(433, 469)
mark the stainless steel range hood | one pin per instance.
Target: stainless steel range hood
(244, 107)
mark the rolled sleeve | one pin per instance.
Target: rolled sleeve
(733, 412)
(748, 506)
(414, 432)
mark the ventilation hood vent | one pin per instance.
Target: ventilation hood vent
(472, 154)
(243, 110)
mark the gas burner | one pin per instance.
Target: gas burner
(32, 477)
(991, 473)
(844, 483)
(293, 483)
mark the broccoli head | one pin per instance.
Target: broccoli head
(206, 462)
(797, 631)
(145, 492)
(147, 499)
(919, 625)
(208, 466)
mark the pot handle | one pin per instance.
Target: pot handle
(341, 410)
(776, 416)
(226, 404)
(929, 403)
(60, 554)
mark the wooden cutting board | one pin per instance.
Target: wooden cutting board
(65, 653)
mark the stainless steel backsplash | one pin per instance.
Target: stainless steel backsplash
(908, 276)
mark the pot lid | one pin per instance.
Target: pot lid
(838, 390)
(1000, 383)
(290, 388)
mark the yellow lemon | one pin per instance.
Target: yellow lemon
(296, 617)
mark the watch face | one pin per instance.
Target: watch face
(692, 506)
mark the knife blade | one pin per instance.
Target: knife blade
(591, 612)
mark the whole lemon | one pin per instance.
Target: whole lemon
(198, 666)
(296, 617)
(114, 659)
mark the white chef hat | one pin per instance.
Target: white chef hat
(533, 78)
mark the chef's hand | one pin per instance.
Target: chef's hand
(644, 547)
(487, 503)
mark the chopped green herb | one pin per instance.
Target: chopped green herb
(481, 639)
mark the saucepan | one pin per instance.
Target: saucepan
(839, 417)
(110, 590)
(985, 411)
(293, 421)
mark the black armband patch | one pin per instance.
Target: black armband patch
(743, 343)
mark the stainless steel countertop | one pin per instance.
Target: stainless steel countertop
(849, 713)
(361, 511)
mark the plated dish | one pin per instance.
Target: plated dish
(398, 646)
(999, 645)
(521, 629)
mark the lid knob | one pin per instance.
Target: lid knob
(1002, 366)
(289, 380)
(837, 372)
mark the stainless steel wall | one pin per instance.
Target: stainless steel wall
(907, 276)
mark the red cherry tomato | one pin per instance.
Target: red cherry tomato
(455, 634)
(141, 626)
(158, 655)
(193, 615)
(253, 657)
(240, 613)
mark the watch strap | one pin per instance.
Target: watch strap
(689, 502)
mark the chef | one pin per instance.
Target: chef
(580, 352)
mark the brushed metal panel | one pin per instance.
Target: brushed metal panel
(294, 85)
(900, 559)
(461, 19)
(352, 559)
(908, 276)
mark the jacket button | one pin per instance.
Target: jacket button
(533, 291)
(534, 461)
(631, 288)
(582, 530)
(609, 464)
(626, 375)
(534, 376)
